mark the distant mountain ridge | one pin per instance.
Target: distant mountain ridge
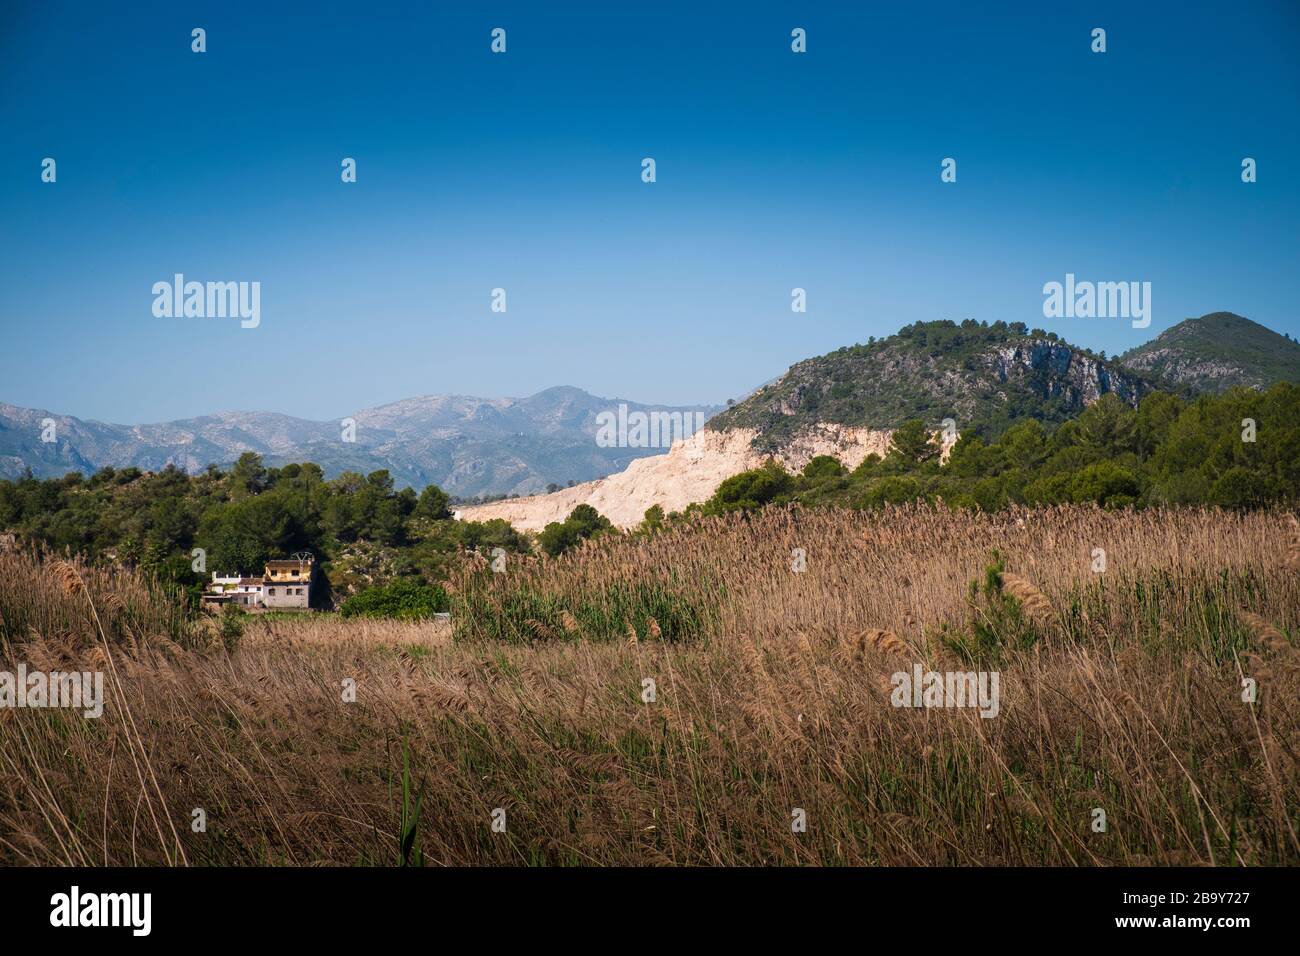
(1217, 352)
(983, 376)
(469, 446)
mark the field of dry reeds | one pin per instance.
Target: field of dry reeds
(1121, 641)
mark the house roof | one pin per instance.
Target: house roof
(293, 565)
(249, 581)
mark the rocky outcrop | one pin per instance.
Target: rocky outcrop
(1066, 373)
(1201, 374)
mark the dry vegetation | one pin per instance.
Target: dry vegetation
(1120, 690)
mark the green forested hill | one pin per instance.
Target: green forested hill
(984, 376)
(1216, 352)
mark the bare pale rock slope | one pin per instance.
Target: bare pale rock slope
(691, 471)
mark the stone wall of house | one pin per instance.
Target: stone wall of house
(294, 595)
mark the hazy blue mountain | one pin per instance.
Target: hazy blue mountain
(468, 446)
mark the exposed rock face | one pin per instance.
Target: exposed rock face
(1070, 375)
(1178, 366)
(690, 472)
(1203, 374)
(850, 445)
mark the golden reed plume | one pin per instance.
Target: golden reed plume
(1031, 599)
(1266, 633)
(67, 576)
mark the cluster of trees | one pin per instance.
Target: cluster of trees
(946, 335)
(1236, 450)
(243, 517)
(583, 522)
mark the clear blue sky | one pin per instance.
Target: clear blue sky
(522, 171)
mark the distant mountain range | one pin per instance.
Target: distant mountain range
(1216, 352)
(468, 446)
(983, 376)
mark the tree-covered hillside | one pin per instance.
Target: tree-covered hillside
(983, 376)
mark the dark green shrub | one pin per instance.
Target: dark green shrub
(402, 599)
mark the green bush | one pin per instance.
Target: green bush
(231, 627)
(402, 599)
(768, 484)
(583, 522)
(892, 491)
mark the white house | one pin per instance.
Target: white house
(284, 584)
(234, 589)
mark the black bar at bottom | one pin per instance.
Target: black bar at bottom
(335, 906)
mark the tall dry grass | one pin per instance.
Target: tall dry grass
(1120, 691)
(908, 568)
(67, 601)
